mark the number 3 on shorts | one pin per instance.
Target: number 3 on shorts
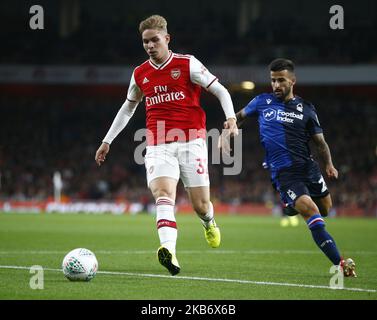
(201, 166)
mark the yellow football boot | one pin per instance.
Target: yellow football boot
(213, 235)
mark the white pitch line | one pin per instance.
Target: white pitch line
(42, 252)
(267, 283)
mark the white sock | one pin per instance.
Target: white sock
(166, 224)
(208, 218)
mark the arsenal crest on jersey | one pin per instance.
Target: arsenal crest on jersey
(175, 73)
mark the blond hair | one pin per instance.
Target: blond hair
(155, 22)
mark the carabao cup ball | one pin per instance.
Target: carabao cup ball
(80, 265)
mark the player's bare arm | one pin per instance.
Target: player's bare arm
(120, 121)
(241, 117)
(224, 142)
(134, 96)
(231, 125)
(101, 153)
(231, 130)
(325, 154)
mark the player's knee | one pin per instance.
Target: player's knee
(157, 193)
(163, 187)
(306, 206)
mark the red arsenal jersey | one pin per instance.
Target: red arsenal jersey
(172, 93)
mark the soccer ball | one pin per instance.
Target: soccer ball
(80, 265)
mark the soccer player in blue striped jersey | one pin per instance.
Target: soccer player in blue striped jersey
(286, 125)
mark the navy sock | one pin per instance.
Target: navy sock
(323, 240)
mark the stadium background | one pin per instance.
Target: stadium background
(62, 86)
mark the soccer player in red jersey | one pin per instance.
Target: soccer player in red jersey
(176, 130)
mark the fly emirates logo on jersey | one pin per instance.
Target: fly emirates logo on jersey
(162, 95)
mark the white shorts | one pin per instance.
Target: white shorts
(185, 160)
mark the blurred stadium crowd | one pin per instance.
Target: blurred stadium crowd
(62, 133)
(250, 32)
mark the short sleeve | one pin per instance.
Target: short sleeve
(251, 108)
(313, 125)
(134, 92)
(199, 74)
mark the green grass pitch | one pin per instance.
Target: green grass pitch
(257, 259)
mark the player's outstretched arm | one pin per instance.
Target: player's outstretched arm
(241, 117)
(101, 153)
(325, 154)
(231, 125)
(120, 121)
(224, 142)
(222, 94)
(126, 111)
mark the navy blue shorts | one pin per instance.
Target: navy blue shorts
(296, 181)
